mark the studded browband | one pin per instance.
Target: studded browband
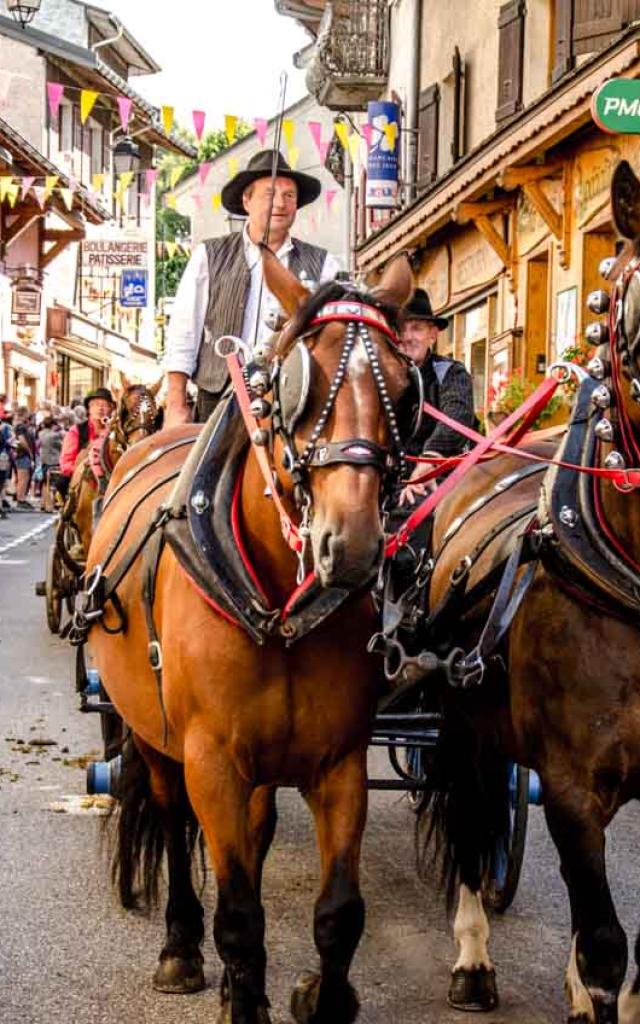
(358, 311)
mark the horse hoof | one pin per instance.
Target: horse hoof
(473, 990)
(339, 1007)
(179, 976)
(224, 1017)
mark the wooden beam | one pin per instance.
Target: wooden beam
(494, 238)
(542, 204)
(23, 221)
(469, 211)
(514, 177)
(61, 239)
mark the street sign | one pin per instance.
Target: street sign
(615, 106)
(133, 289)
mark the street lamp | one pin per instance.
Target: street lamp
(23, 11)
(126, 156)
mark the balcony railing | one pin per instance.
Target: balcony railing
(350, 59)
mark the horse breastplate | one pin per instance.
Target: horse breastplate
(578, 553)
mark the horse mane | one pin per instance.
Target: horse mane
(334, 291)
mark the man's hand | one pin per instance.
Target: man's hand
(177, 410)
(411, 491)
(176, 414)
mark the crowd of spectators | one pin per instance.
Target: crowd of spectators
(30, 449)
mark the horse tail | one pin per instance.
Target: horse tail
(465, 810)
(140, 833)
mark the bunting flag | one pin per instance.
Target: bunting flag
(315, 127)
(196, 199)
(230, 127)
(97, 182)
(73, 183)
(12, 193)
(261, 126)
(174, 176)
(67, 195)
(323, 149)
(124, 180)
(171, 248)
(87, 99)
(216, 201)
(203, 172)
(150, 178)
(354, 147)
(124, 109)
(289, 131)
(234, 166)
(39, 192)
(54, 94)
(329, 196)
(167, 119)
(50, 183)
(26, 186)
(170, 201)
(367, 131)
(343, 134)
(198, 122)
(294, 155)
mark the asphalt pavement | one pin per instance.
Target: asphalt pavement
(70, 955)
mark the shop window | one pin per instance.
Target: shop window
(510, 59)
(475, 328)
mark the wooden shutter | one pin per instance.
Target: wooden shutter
(510, 58)
(563, 39)
(428, 118)
(595, 24)
(458, 142)
(630, 11)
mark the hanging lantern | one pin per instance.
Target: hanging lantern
(126, 156)
(23, 11)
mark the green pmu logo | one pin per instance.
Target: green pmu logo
(615, 106)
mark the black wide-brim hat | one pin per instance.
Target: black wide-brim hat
(419, 308)
(260, 166)
(98, 393)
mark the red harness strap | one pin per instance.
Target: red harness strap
(343, 310)
(288, 527)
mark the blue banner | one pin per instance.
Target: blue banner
(384, 151)
(133, 289)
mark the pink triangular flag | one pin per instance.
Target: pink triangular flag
(73, 183)
(197, 200)
(124, 108)
(55, 93)
(367, 131)
(261, 126)
(146, 200)
(40, 193)
(26, 183)
(315, 127)
(150, 177)
(329, 196)
(203, 172)
(323, 149)
(198, 122)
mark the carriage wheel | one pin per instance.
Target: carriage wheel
(53, 589)
(506, 863)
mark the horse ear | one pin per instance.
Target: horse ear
(124, 381)
(282, 283)
(625, 200)
(154, 388)
(396, 284)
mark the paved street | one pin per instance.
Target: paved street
(69, 954)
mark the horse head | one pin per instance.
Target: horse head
(137, 414)
(337, 436)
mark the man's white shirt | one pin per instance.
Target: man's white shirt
(184, 335)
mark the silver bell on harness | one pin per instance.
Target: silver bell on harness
(598, 301)
(606, 266)
(259, 383)
(260, 408)
(597, 333)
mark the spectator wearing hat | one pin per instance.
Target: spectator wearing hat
(221, 291)
(96, 412)
(447, 386)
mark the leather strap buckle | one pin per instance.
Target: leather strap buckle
(154, 653)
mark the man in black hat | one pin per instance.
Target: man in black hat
(221, 289)
(447, 386)
(98, 407)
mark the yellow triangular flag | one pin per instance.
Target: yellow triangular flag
(171, 249)
(50, 183)
(5, 185)
(230, 126)
(87, 99)
(234, 166)
(354, 147)
(216, 201)
(170, 200)
(174, 176)
(97, 182)
(167, 119)
(12, 192)
(343, 134)
(294, 155)
(67, 195)
(124, 180)
(289, 130)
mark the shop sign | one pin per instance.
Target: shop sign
(473, 262)
(434, 277)
(133, 289)
(26, 302)
(615, 106)
(593, 171)
(531, 227)
(111, 254)
(384, 149)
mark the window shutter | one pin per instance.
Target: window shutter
(563, 39)
(458, 142)
(595, 24)
(510, 59)
(428, 134)
(630, 11)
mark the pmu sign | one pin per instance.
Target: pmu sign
(615, 106)
(133, 289)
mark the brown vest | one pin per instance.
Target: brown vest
(229, 283)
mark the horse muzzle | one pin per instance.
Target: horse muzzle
(346, 558)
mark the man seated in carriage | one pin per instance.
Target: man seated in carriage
(99, 406)
(221, 291)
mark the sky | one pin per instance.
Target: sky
(217, 56)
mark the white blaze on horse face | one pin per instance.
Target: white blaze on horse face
(358, 360)
(628, 1006)
(471, 932)
(577, 996)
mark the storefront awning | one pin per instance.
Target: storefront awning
(79, 350)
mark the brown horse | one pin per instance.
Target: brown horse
(229, 721)
(136, 416)
(562, 694)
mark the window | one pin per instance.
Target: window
(428, 118)
(65, 128)
(586, 26)
(510, 59)
(97, 152)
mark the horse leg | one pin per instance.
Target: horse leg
(473, 978)
(339, 806)
(223, 801)
(180, 965)
(598, 961)
(629, 1002)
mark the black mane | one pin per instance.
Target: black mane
(335, 291)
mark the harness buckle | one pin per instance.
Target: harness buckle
(154, 653)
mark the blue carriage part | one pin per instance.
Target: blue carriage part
(92, 689)
(103, 777)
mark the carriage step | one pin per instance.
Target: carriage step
(103, 777)
(41, 588)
